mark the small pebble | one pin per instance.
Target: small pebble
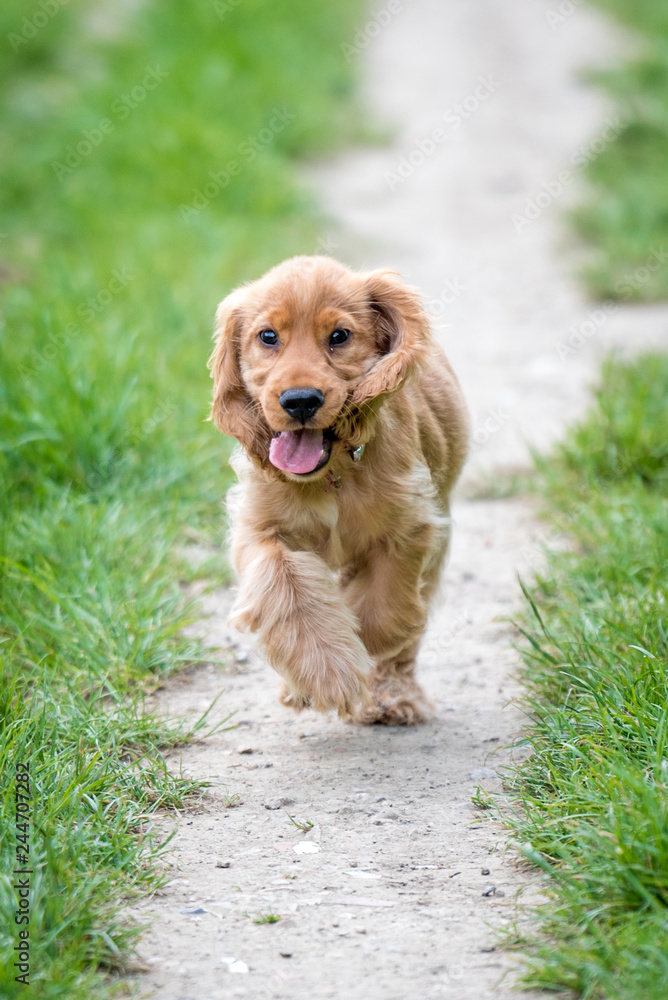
(489, 890)
(383, 815)
(277, 803)
(482, 773)
(285, 954)
(485, 871)
(223, 864)
(234, 964)
(305, 847)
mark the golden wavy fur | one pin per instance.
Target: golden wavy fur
(337, 567)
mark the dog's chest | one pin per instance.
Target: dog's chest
(337, 526)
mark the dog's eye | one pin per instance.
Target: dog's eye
(268, 337)
(339, 337)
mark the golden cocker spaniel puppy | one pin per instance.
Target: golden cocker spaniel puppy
(353, 430)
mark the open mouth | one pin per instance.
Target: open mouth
(302, 452)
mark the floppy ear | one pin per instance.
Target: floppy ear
(233, 410)
(402, 335)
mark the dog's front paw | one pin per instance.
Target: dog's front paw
(244, 617)
(293, 699)
(335, 685)
(395, 703)
(347, 694)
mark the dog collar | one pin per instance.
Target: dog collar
(333, 481)
(355, 453)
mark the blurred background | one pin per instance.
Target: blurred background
(510, 160)
(154, 156)
(115, 119)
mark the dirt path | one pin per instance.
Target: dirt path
(387, 896)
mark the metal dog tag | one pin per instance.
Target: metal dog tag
(357, 452)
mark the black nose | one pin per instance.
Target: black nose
(301, 403)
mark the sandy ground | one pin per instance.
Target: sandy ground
(397, 889)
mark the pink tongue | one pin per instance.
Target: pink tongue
(297, 451)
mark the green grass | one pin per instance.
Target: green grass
(594, 793)
(302, 824)
(112, 261)
(625, 217)
(267, 918)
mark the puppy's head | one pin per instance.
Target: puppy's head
(305, 356)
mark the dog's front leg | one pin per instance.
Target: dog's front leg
(390, 594)
(307, 631)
